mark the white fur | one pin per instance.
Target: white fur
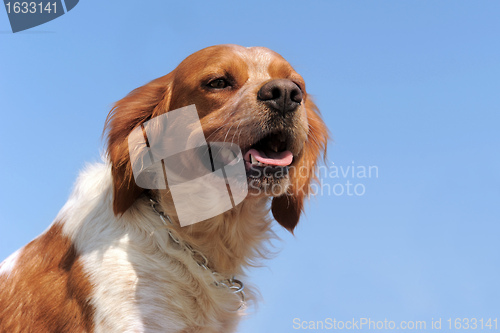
(142, 282)
(8, 265)
(258, 60)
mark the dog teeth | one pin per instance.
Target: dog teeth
(253, 160)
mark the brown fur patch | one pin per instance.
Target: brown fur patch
(287, 208)
(47, 291)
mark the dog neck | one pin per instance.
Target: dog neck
(232, 240)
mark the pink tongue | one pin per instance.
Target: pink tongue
(280, 159)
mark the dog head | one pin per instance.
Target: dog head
(251, 97)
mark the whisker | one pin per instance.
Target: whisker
(215, 132)
(236, 131)
(229, 130)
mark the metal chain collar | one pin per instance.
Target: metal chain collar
(233, 284)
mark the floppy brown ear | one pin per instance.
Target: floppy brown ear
(137, 107)
(287, 208)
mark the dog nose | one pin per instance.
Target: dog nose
(282, 95)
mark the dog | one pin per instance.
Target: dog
(116, 259)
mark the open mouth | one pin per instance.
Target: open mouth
(269, 157)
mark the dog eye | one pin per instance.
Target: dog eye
(218, 84)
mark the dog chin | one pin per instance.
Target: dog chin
(269, 185)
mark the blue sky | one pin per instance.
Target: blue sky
(411, 88)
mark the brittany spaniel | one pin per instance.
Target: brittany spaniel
(116, 259)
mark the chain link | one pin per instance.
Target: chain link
(233, 284)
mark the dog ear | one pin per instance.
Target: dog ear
(136, 108)
(287, 208)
